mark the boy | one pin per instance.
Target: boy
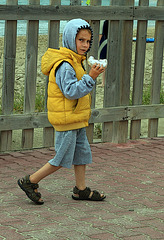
(68, 110)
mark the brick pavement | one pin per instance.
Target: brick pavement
(131, 175)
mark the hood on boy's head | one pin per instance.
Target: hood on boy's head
(70, 31)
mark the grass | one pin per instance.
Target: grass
(147, 96)
(39, 102)
(97, 130)
(19, 102)
(146, 99)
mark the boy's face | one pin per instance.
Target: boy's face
(83, 39)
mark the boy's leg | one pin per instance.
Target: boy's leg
(80, 176)
(29, 183)
(80, 179)
(63, 140)
(63, 143)
(46, 170)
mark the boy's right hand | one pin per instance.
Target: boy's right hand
(96, 70)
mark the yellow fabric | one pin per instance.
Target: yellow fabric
(65, 114)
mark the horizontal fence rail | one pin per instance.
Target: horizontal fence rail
(39, 120)
(117, 113)
(26, 12)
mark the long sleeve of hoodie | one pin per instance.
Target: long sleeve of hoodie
(69, 85)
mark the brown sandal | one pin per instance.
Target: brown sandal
(29, 188)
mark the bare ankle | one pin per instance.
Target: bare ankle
(32, 179)
(81, 187)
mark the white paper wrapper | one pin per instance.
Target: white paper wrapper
(92, 61)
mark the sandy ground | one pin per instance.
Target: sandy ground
(42, 47)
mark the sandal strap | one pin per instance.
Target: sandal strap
(29, 188)
(83, 194)
(26, 180)
(96, 196)
(35, 195)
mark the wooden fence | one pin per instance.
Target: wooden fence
(117, 113)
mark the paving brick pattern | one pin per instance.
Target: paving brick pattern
(131, 175)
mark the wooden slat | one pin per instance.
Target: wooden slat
(156, 72)
(93, 52)
(111, 88)
(139, 71)
(30, 76)
(145, 111)
(54, 26)
(148, 13)
(120, 129)
(53, 39)
(25, 12)
(121, 113)
(24, 121)
(53, 42)
(8, 77)
(108, 114)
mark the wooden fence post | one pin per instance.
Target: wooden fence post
(111, 88)
(156, 72)
(139, 68)
(53, 42)
(94, 52)
(8, 77)
(120, 129)
(30, 76)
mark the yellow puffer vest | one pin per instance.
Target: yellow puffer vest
(65, 114)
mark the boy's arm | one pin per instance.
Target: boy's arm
(69, 85)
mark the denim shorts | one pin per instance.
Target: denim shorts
(72, 148)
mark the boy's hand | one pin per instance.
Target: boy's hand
(96, 70)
